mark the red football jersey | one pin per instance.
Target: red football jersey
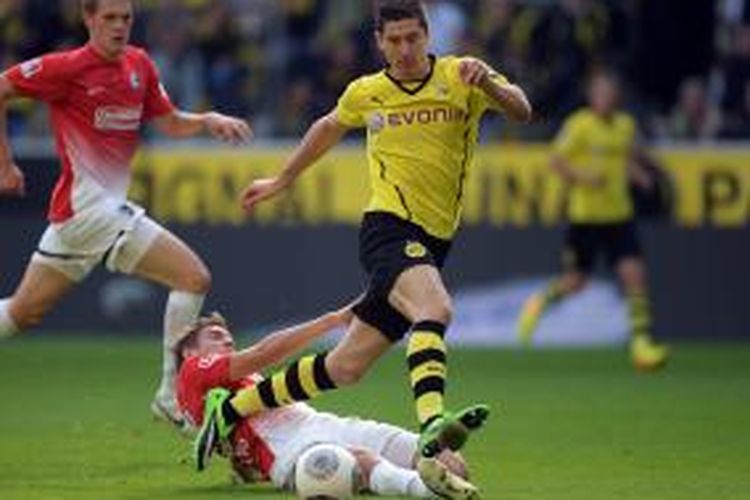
(97, 108)
(197, 376)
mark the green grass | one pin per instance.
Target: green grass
(572, 425)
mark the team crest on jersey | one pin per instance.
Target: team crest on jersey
(135, 80)
(376, 122)
(31, 67)
(415, 250)
(206, 362)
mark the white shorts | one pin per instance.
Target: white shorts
(395, 444)
(113, 233)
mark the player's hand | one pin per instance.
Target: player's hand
(12, 181)
(473, 71)
(642, 180)
(228, 129)
(261, 190)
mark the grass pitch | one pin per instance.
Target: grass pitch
(578, 425)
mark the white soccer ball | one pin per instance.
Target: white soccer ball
(326, 471)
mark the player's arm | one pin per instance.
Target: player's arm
(510, 98)
(325, 133)
(572, 175)
(11, 177)
(638, 160)
(279, 345)
(180, 124)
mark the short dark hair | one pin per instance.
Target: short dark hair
(91, 6)
(190, 334)
(398, 10)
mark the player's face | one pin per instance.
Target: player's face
(404, 45)
(604, 96)
(214, 339)
(109, 27)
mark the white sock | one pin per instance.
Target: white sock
(387, 479)
(8, 327)
(182, 309)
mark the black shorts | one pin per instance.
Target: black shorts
(389, 245)
(584, 242)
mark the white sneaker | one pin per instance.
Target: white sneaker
(443, 482)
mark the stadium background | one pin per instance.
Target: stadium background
(569, 424)
(281, 64)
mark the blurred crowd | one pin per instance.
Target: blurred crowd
(282, 63)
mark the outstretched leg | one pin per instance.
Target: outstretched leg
(170, 262)
(536, 305)
(41, 288)
(419, 294)
(646, 355)
(304, 379)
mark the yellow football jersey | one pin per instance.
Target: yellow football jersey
(420, 141)
(603, 147)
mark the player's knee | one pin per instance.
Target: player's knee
(345, 372)
(366, 462)
(441, 311)
(197, 281)
(26, 316)
(455, 463)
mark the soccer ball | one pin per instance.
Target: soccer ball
(326, 471)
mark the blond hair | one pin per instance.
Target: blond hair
(190, 333)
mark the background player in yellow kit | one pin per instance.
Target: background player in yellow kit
(596, 153)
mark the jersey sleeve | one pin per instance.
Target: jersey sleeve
(45, 78)
(157, 102)
(349, 110)
(569, 140)
(485, 101)
(479, 101)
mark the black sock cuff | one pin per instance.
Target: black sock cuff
(430, 326)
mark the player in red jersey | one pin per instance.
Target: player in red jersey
(266, 446)
(100, 95)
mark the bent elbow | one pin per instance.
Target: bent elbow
(522, 113)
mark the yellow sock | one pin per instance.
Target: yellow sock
(639, 312)
(426, 357)
(302, 380)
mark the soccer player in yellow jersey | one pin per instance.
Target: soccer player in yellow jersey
(422, 117)
(596, 153)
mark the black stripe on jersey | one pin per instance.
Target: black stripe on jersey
(465, 161)
(422, 83)
(401, 196)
